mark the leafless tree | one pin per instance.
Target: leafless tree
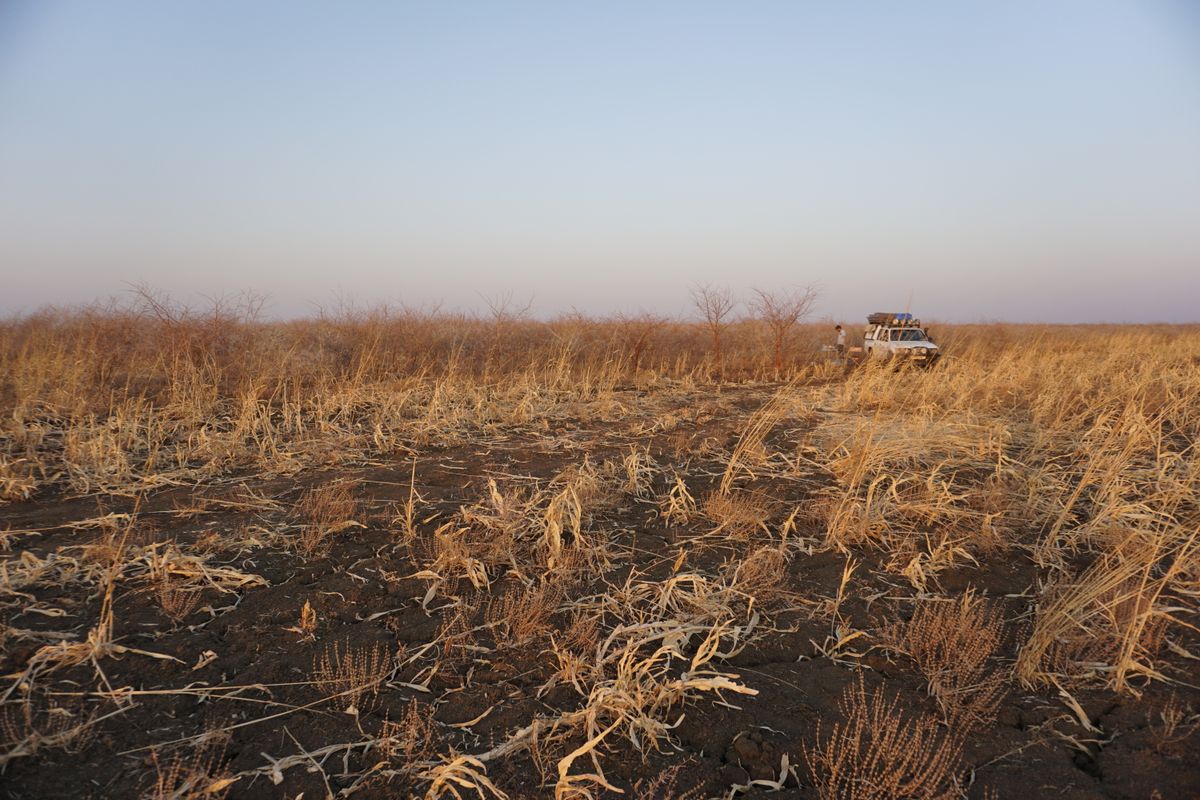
(152, 302)
(195, 333)
(507, 314)
(715, 304)
(781, 310)
(505, 309)
(636, 332)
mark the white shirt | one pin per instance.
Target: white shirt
(841, 340)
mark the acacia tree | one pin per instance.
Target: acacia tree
(781, 310)
(715, 304)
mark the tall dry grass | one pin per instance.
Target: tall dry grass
(1072, 449)
(117, 398)
(1075, 445)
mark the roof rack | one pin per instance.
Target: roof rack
(893, 318)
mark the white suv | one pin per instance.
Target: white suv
(900, 337)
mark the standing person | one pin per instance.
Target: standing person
(841, 341)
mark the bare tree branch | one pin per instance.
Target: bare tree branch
(715, 304)
(504, 308)
(636, 331)
(781, 310)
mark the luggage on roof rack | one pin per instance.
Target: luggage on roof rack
(892, 318)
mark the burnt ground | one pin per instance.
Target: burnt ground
(229, 689)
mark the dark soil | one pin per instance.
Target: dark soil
(364, 592)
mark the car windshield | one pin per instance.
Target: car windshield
(908, 335)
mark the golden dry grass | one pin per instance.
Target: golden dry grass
(1070, 450)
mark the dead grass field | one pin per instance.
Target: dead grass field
(413, 554)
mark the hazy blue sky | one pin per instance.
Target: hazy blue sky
(1017, 160)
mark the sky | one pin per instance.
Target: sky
(1034, 160)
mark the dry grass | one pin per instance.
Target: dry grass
(1067, 452)
(678, 507)
(306, 625)
(761, 574)
(738, 514)
(1113, 613)
(325, 510)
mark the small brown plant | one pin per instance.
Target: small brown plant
(411, 739)
(406, 518)
(575, 651)
(639, 470)
(196, 777)
(25, 732)
(876, 752)
(1174, 725)
(352, 675)
(523, 614)
(175, 598)
(954, 646)
(666, 784)
(455, 636)
(16, 482)
(583, 632)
